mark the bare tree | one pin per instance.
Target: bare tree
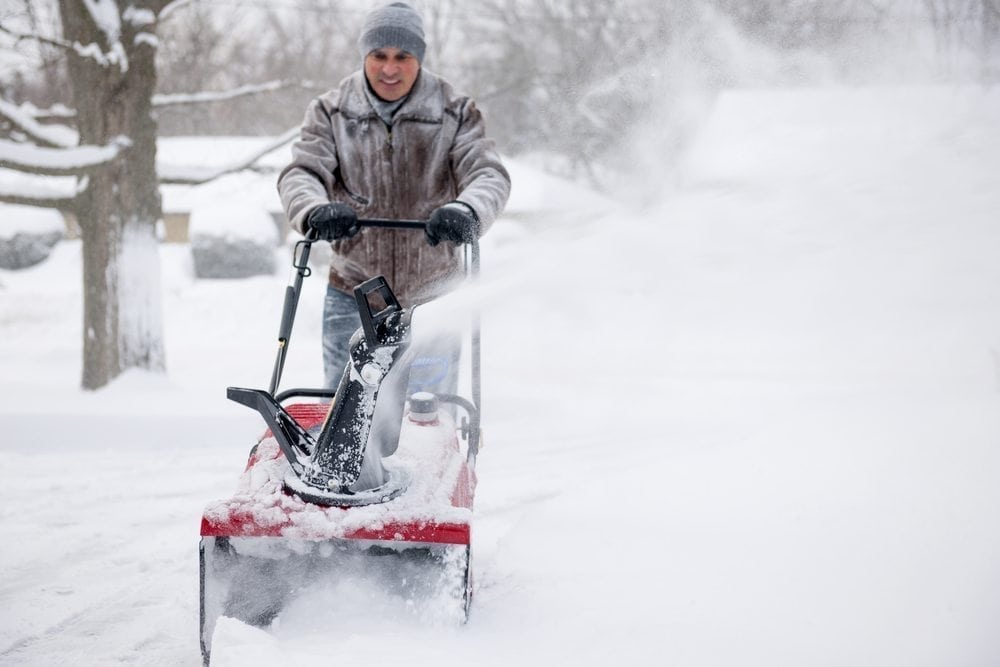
(46, 60)
(968, 24)
(195, 50)
(440, 22)
(110, 50)
(790, 25)
(568, 78)
(224, 45)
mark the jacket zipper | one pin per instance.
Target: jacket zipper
(394, 249)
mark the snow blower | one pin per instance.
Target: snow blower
(378, 480)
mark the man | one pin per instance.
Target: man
(392, 141)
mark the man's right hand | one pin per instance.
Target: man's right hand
(333, 221)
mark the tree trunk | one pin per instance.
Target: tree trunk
(118, 206)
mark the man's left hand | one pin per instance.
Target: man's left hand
(453, 222)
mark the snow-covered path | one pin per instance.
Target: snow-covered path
(758, 424)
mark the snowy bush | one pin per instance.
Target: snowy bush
(27, 235)
(232, 241)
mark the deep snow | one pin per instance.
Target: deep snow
(757, 423)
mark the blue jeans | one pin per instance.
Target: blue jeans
(340, 321)
(435, 362)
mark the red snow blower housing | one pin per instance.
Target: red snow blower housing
(378, 480)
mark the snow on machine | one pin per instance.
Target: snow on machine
(380, 480)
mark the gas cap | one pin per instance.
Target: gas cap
(423, 407)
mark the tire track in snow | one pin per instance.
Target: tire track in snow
(147, 629)
(108, 534)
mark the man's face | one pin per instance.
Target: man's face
(391, 72)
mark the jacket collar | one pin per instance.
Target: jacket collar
(424, 103)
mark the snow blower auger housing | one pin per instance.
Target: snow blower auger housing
(376, 483)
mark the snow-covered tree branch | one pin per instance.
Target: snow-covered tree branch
(43, 192)
(73, 161)
(204, 97)
(90, 50)
(20, 35)
(55, 153)
(43, 135)
(172, 7)
(190, 175)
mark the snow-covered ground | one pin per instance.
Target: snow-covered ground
(755, 424)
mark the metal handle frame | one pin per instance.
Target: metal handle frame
(300, 261)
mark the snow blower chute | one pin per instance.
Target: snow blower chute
(379, 482)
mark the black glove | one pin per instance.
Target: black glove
(333, 221)
(453, 222)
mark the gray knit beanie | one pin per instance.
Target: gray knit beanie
(395, 25)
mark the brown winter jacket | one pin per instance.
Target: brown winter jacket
(435, 152)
